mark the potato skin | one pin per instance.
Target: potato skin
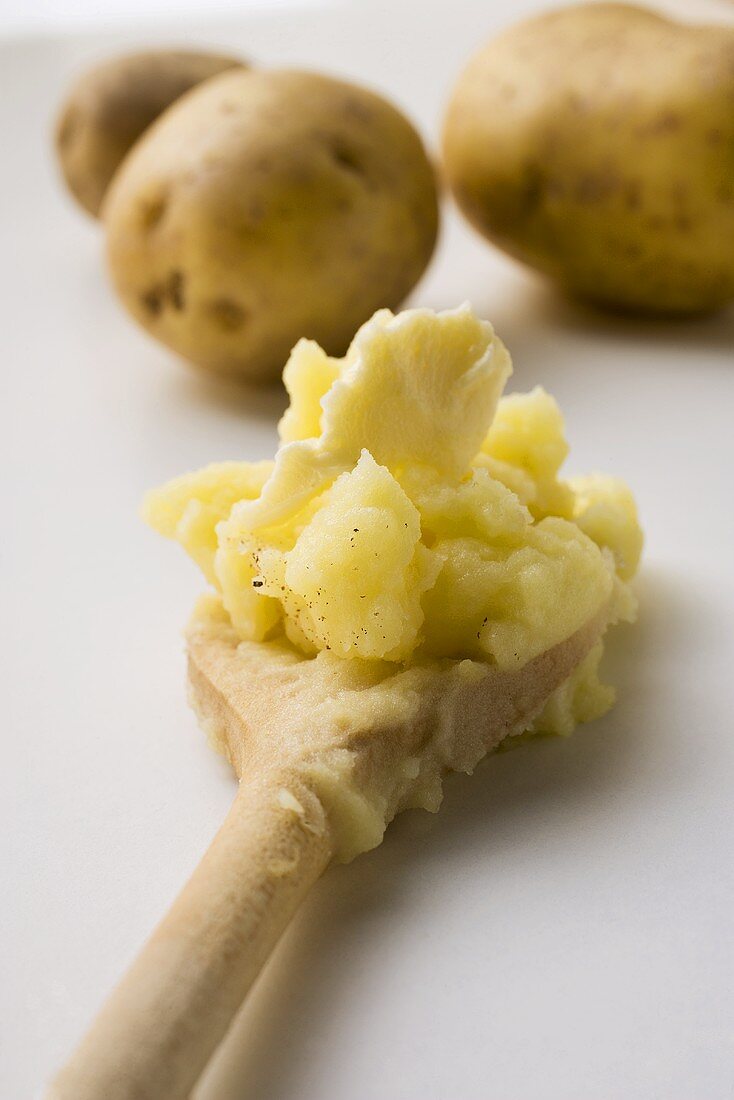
(267, 206)
(109, 107)
(596, 144)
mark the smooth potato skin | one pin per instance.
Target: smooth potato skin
(109, 107)
(267, 206)
(596, 144)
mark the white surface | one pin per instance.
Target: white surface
(39, 16)
(561, 931)
(36, 16)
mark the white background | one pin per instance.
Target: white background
(562, 929)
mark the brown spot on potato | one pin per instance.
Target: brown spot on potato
(533, 186)
(357, 109)
(595, 186)
(152, 212)
(152, 300)
(346, 157)
(577, 102)
(633, 195)
(175, 290)
(170, 292)
(668, 122)
(226, 314)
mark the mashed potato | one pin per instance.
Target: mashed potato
(412, 512)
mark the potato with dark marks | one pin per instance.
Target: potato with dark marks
(264, 207)
(596, 143)
(110, 106)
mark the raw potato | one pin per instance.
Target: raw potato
(265, 207)
(596, 143)
(110, 106)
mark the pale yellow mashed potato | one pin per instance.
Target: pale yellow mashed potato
(412, 512)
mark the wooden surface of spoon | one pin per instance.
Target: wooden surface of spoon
(327, 751)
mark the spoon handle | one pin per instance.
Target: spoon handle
(156, 1033)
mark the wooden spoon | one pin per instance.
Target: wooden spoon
(327, 751)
